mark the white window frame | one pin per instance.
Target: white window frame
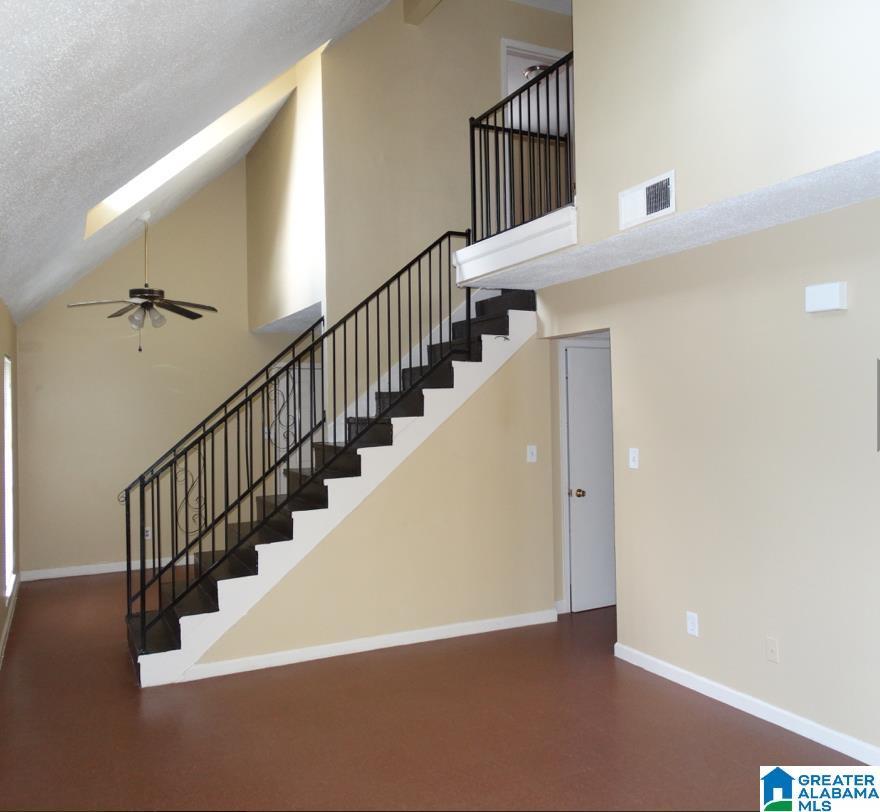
(8, 483)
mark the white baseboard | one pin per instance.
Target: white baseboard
(85, 569)
(843, 743)
(562, 607)
(300, 655)
(7, 625)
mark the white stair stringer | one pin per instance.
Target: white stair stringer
(236, 596)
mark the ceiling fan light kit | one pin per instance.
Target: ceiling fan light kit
(144, 301)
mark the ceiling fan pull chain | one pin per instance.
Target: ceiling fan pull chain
(140, 345)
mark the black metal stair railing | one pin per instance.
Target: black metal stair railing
(290, 424)
(181, 505)
(522, 153)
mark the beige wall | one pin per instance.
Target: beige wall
(460, 531)
(756, 504)
(397, 99)
(7, 348)
(732, 96)
(94, 413)
(285, 205)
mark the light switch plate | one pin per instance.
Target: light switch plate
(531, 453)
(633, 458)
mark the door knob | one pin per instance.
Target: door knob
(578, 493)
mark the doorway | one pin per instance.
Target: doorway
(517, 58)
(589, 566)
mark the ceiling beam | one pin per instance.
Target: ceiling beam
(415, 11)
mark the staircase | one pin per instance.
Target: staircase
(246, 488)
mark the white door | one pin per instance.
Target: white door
(590, 477)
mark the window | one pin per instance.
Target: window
(8, 478)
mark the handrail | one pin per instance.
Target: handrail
(521, 153)
(569, 57)
(395, 277)
(224, 477)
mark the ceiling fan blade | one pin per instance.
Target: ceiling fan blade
(192, 304)
(99, 301)
(173, 308)
(123, 310)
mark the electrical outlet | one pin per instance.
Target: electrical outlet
(692, 621)
(531, 453)
(634, 458)
(771, 649)
(148, 534)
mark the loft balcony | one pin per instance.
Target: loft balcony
(522, 177)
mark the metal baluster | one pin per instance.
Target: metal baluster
(152, 493)
(344, 376)
(569, 134)
(264, 432)
(481, 222)
(213, 499)
(487, 230)
(312, 409)
(143, 554)
(421, 331)
(175, 537)
(531, 157)
(430, 307)
(497, 174)
(225, 477)
(388, 337)
(558, 180)
(378, 349)
(127, 504)
(298, 386)
(399, 342)
(449, 284)
(356, 376)
(288, 374)
(473, 175)
(547, 208)
(238, 462)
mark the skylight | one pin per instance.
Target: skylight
(261, 104)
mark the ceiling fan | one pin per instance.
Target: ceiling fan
(143, 302)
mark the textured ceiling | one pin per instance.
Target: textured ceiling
(94, 92)
(833, 187)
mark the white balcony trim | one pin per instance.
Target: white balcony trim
(550, 233)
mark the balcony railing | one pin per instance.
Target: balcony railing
(522, 154)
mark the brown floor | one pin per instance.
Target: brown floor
(536, 718)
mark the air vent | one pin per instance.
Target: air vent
(653, 198)
(657, 197)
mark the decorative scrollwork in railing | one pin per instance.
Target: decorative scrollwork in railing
(191, 513)
(281, 430)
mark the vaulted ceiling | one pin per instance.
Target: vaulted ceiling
(94, 92)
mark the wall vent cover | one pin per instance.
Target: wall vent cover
(657, 197)
(653, 198)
